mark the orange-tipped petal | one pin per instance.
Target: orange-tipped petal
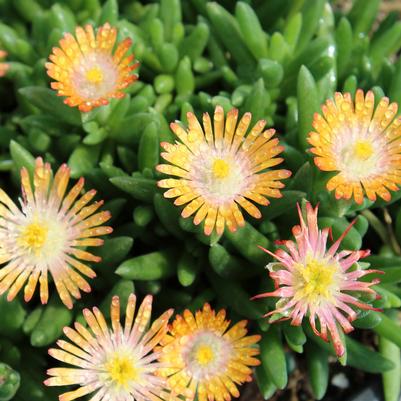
(202, 349)
(45, 237)
(360, 144)
(86, 69)
(111, 361)
(312, 279)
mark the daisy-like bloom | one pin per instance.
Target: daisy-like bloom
(221, 168)
(86, 69)
(47, 234)
(117, 363)
(207, 359)
(319, 282)
(360, 143)
(3, 66)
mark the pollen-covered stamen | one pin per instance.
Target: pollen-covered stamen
(359, 159)
(220, 168)
(95, 75)
(363, 150)
(315, 280)
(204, 354)
(122, 370)
(33, 237)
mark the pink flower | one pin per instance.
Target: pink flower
(319, 282)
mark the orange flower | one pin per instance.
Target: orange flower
(361, 143)
(221, 169)
(206, 359)
(87, 71)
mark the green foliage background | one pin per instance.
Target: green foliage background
(279, 59)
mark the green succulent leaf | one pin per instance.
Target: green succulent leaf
(47, 101)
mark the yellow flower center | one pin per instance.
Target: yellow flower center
(204, 355)
(95, 75)
(221, 168)
(363, 150)
(33, 237)
(121, 371)
(315, 280)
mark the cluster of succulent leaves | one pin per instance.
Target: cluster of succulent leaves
(279, 59)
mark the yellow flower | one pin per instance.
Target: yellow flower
(3, 66)
(361, 143)
(87, 71)
(205, 358)
(118, 363)
(47, 234)
(220, 168)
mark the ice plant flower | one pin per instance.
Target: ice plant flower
(361, 144)
(46, 235)
(87, 70)
(319, 282)
(208, 360)
(220, 168)
(3, 66)
(118, 363)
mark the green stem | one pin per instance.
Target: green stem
(377, 225)
(393, 240)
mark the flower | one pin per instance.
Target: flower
(220, 169)
(47, 234)
(118, 363)
(3, 66)
(313, 280)
(86, 69)
(361, 144)
(206, 358)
